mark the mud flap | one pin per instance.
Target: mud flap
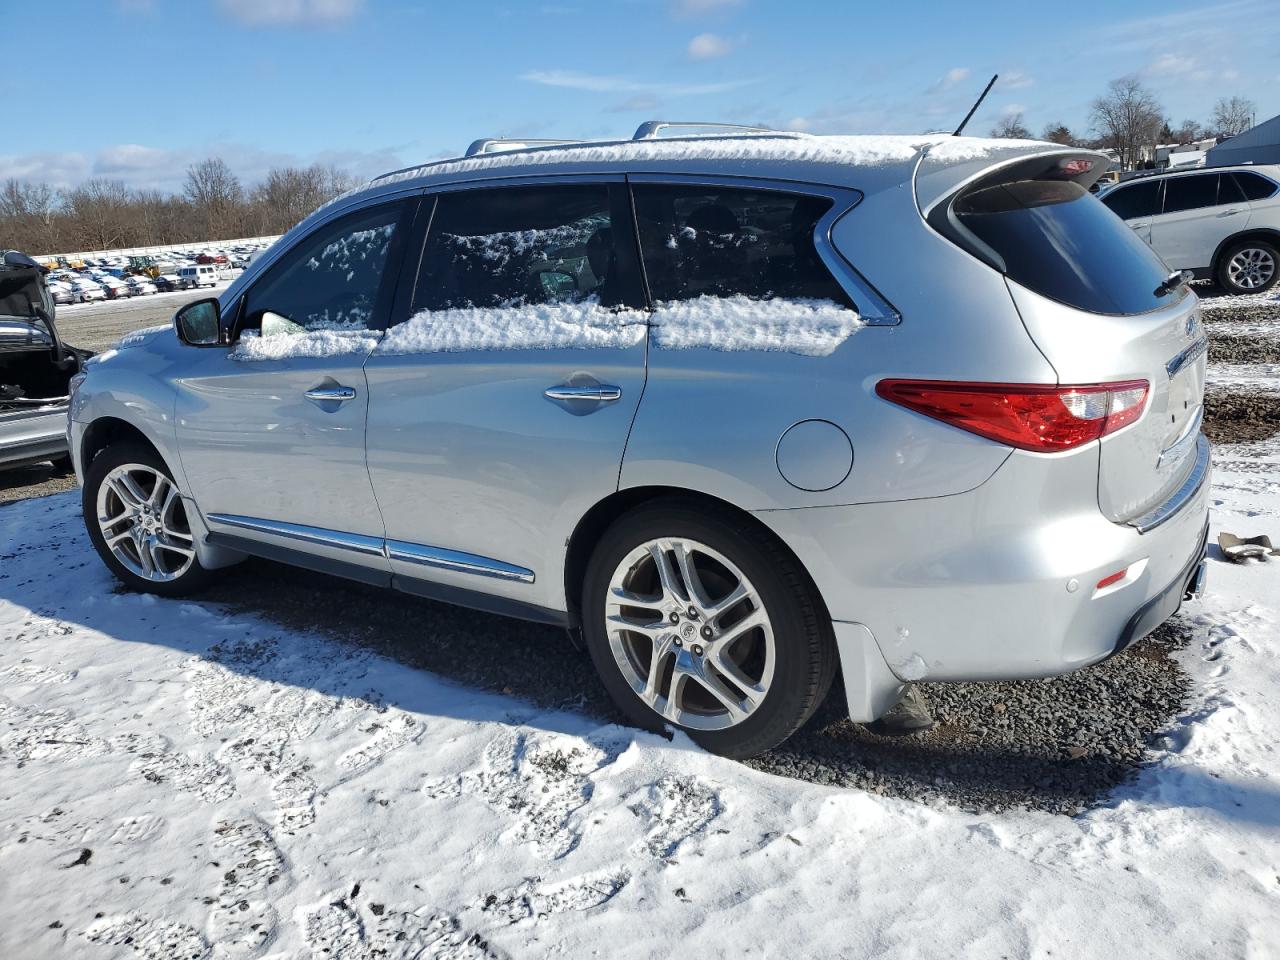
(869, 684)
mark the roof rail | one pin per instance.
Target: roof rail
(496, 144)
(650, 129)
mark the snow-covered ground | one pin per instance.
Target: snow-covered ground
(177, 780)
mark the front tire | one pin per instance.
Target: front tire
(698, 621)
(137, 522)
(1250, 266)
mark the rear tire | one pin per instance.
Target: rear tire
(1249, 266)
(130, 497)
(739, 676)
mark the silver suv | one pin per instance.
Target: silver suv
(743, 409)
(1222, 223)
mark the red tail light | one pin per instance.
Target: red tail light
(1024, 415)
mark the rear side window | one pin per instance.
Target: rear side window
(1254, 186)
(518, 246)
(1054, 237)
(1190, 193)
(1139, 200)
(726, 241)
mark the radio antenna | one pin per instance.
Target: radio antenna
(974, 109)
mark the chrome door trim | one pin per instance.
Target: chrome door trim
(402, 550)
(320, 536)
(456, 560)
(1195, 479)
(873, 309)
(1178, 449)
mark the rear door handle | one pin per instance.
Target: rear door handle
(1228, 213)
(339, 394)
(601, 392)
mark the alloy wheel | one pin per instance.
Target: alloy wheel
(144, 523)
(1251, 268)
(690, 634)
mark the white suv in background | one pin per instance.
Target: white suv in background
(1221, 223)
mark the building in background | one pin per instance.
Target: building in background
(1260, 144)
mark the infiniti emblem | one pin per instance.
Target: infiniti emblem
(1191, 325)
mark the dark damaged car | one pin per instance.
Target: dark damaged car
(36, 367)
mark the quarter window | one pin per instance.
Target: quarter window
(1254, 186)
(1131, 203)
(332, 280)
(518, 246)
(1190, 193)
(727, 241)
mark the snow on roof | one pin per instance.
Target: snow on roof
(856, 151)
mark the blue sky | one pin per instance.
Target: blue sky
(138, 89)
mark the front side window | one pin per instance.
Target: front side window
(332, 280)
(1131, 203)
(1190, 193)
(522, 247)
(729, 241)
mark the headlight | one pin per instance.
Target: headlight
(74, 385)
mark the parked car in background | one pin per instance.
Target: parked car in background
(61, 292)
(618, 387)
(199, 275)
(85, 291)
(168, 282)
(36, 367)
(140, 285)
(1221, 223)
(115, 289)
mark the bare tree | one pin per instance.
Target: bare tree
(1188, 132)
(215, 195)
(290, 193)
(1233, 115)
(1011, 127)
(28, 215)
(1127, 119)
(1059, 133)
(98, 214)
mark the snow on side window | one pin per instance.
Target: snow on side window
(809, 327)
(543, 326)
(310, 343)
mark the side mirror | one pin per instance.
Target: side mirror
(199, 323)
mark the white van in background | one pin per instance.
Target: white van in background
(198, 275)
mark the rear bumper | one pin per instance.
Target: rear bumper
(1187, 585)
(32, 437)
(999, 583)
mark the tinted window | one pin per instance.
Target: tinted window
(525, 245)
(1054, 238)
(1228, 190)
(1190, 193)
(331, 279)
(1139, 200)
(723, 242)
(1254, 186)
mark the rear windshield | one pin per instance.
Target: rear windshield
(1054, 237)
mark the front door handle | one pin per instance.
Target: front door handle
(339, 394)
(1228, 213)
(600, 392)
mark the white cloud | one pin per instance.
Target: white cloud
(708, 46)
(636, 104)
(1014, 80)
(949, 79)
(257, 13)
(596, 83)
(685, 9)
(1170, 65)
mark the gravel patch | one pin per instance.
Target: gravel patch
(1057, 745)
(1240, 416)
(36, 480)
(1243, 348)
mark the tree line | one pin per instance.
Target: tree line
(1130, 120)
(105, 214)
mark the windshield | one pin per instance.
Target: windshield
(1054, 237)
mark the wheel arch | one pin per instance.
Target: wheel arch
(595, 521)
(108, 431)
(1257, 233)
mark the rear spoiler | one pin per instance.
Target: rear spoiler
(945, 169)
